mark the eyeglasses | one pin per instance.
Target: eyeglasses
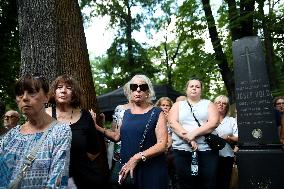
(143, 87)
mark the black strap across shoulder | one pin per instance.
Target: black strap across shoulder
(53, 111)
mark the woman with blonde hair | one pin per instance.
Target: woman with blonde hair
(228, 130)
(143, 136)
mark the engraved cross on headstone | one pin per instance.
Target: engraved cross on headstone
(247, 54)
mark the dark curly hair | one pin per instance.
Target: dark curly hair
(77, 93)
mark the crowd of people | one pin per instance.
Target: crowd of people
(156, 146)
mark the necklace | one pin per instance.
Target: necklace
(71, 117)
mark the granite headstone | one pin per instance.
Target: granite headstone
(260, 158)
(255, 113)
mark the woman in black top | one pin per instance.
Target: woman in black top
(85, 170)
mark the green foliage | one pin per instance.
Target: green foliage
(114, 71)
(9, 51)
(184, 56)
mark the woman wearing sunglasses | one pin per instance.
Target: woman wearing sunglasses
(143, 136)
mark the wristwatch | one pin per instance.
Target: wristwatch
(142, 156)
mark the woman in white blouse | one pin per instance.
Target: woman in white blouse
(228, 130)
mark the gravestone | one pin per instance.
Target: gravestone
(260, 157)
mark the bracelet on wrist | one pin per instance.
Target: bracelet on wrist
(143, 157)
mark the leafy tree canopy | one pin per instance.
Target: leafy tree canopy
(9, 51)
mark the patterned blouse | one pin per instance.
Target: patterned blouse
(49, 169)
(117, 118)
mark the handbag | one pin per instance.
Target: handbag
(214, 141)
(118, 165)
(29, 159)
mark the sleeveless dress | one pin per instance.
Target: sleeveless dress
(151, 174)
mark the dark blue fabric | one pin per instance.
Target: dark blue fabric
(151, 174)
(207, 169)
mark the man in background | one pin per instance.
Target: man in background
(11, 119)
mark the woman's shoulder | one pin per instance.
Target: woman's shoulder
(85, 114)
(84, 111)
(205, 101)
(12, 132)
(156, 109)
(60, 127)
(231, 119)
(121, 108)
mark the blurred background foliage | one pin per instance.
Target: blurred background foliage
(182, 51)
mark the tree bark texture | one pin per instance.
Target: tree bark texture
(234, 20)
(53, 43)
(37, 31)
(268, 44)
(246, 16)
(71, 48)
(226, 72)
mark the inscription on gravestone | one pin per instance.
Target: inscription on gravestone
(254, 100)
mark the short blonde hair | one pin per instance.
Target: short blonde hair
(225, 99)
(151, 92)
(126, 90)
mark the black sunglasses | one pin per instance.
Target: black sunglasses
(143, 87)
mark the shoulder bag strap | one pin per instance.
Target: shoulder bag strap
(146, 129)
(53, 111)
(193, 114)
(30, 157)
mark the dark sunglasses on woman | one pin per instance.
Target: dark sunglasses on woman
(143, 87)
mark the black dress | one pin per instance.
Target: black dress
(151, 174)
(86, 173)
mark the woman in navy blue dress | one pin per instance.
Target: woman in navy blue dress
(143, 136)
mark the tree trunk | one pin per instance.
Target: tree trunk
(227, 74)
(71, 48)
(128, 22)
(234, 20)
(246, 16)
(52, 43)
(37, 36)
(268, 44)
